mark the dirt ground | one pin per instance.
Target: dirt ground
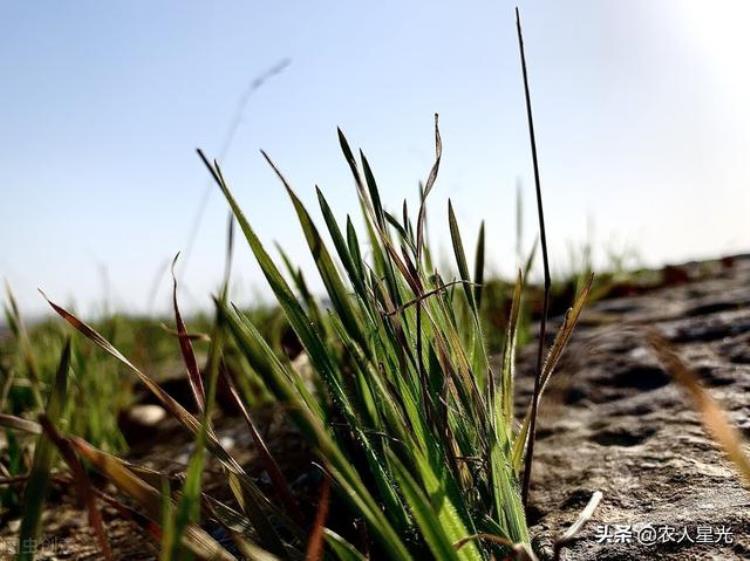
(612, 421)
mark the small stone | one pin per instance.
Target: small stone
(147, 415)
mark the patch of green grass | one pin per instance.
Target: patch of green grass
(415, 429)
(412, 425)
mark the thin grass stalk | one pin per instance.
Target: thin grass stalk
(545, 310)
(226, 144)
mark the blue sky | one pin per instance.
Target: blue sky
(641, 109)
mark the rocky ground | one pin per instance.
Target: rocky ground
(612, 421)
(615, 422)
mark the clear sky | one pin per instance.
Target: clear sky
(641, 109)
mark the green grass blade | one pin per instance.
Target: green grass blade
(310, 338)
(342, 548)
(169, 540)
(307, 297)
(506, 414)
(458, 250)
(349, 255)
(334, 286)
(317, 351)
(479, 268)
(507, 495)
(374, 192)
(37, 486)
(438, 538)
(352, 243)
(251, 342)
(189, 506)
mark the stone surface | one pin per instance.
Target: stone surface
(613, 421)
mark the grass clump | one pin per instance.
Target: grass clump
(407, 416)
(414, 426)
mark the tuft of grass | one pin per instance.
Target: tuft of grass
(412, 425)
(408, 418)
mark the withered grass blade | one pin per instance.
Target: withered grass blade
(186, 348)
(713, 416)
(317, 536)
(82, 482)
